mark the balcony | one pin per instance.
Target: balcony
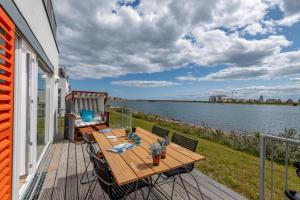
(64, 163)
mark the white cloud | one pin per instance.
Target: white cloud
(296, 79)
(102, 39)
(278, 65)
(144, 84)
(188, 77)
(291, 10)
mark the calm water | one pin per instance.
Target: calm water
(229, 117)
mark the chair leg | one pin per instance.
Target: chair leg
(184, 186)
(82, 181)
(90, 190)
(174, 180)
(86, 167)
(197, 185)
(103, 194)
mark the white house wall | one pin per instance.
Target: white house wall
(35, 14)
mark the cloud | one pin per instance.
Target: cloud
(291, 10)
(295, 79)
(109, 39)
(278, 65)
(188, 77)
(144, 84)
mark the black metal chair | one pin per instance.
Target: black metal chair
(160, 131)
(191, 145)
(89, 140)
(106, 180)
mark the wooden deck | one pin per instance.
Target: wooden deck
(63, 166)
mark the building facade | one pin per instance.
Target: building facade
(29, 59)
(217, 98)
(63, 90)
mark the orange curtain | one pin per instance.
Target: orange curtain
(7, 37)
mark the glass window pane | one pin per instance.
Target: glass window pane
(41, 111)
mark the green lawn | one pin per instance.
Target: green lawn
(235, 169)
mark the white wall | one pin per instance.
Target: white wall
(36, 16)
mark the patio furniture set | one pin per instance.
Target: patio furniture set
(121, 159)
(125, 174)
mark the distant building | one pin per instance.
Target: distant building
(261, 99)
(290, 101)
(217, 98)
(63, 90)
(271, 100)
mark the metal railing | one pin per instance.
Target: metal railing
(120, 117)
(270, 140)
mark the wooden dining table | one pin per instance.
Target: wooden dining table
(136, 163)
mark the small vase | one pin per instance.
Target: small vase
(156, 160)
(163, 154)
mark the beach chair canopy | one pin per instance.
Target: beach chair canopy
(77, 101)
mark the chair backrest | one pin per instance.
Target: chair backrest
(187, 143)
(160, 131)
(88, 138)
(101, 169)
(94, 104)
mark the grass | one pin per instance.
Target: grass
(235, 169)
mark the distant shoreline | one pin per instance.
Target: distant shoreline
(195, 101)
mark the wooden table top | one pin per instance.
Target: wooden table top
(137, 163)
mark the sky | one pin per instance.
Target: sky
(181, 49)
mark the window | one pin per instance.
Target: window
(42, 106)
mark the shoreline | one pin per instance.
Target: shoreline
(295, 104)
(244, 142)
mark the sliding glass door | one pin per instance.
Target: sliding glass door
(42, 111)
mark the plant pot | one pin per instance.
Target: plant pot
(156, 160)
(126, 132)
(163, 154)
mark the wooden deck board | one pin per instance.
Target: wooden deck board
(71, 184)
(51, 173)
(64, 164)
(59, 187)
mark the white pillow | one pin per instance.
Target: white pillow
(97, 117)
(77, 116)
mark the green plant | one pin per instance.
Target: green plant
(155, 149)
(163, 143)
(127, 130)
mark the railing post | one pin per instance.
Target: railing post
(286, 165)
(130, 118)
(122, 118)
(272, 170)
(262, 167)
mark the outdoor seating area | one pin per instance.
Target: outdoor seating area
(85, 113)
(89, 169)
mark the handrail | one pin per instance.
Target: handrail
(281, 139)
(262, 146)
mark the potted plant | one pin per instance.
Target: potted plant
(155, 150)
(127, 130)
(163, 143)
